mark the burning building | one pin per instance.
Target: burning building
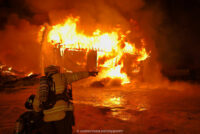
(112, 50)
(137, 46)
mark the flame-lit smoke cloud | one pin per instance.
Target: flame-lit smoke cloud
(18, 32)
(19, 47)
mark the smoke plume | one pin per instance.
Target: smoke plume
(22, 20)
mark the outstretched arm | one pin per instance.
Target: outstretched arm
(72, 77)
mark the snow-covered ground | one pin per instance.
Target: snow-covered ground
(131, 109)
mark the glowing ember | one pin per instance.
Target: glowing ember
(111, 46)
(2, 66)
(30, 74)
(116, 100)
(10, 68)
(6, 70)
(113, 102)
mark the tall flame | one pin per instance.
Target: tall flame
(109, 45)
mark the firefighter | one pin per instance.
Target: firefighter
(56, 102)
(30, 121)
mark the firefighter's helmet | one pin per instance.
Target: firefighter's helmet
(52, 69)
(29, 102)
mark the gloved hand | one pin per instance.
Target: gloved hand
(93, 73)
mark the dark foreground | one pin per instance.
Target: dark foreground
(132, 109)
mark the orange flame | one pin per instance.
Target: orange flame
(109, 45)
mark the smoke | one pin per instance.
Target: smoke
(19, 28)
(20, 47)
(178, 39)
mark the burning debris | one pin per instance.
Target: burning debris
(10, 78)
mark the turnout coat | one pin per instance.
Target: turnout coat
(58, 111)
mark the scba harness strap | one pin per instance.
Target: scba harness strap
(48, 96)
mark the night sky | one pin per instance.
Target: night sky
(179, 40)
